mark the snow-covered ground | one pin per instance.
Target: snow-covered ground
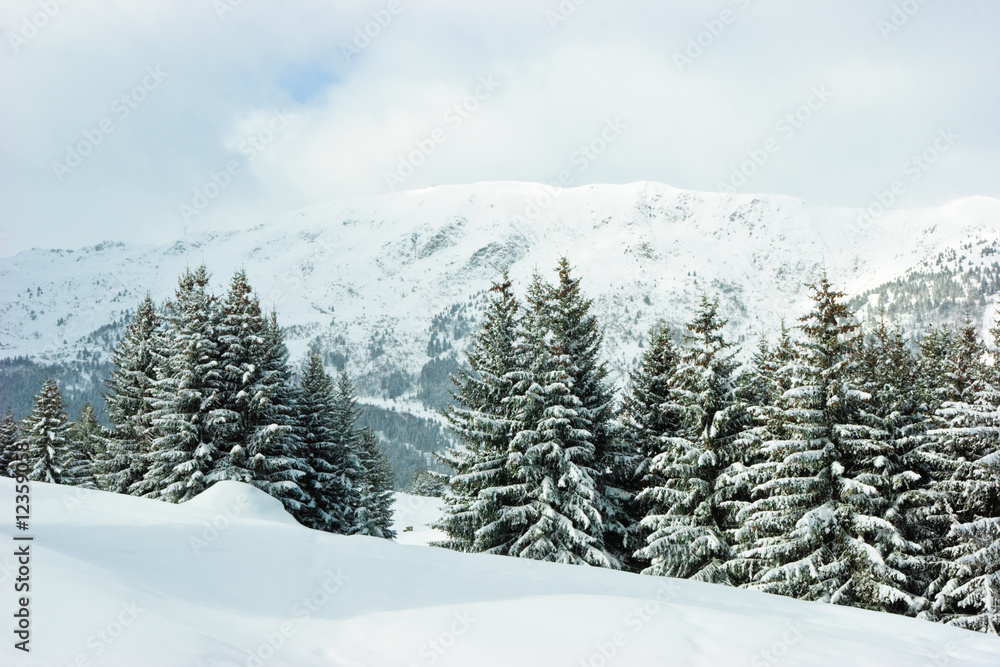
(230, 579)
(416, 513)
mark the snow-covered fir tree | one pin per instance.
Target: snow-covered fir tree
(483, 418)
(329, 449)
(320, 453)
(647, 424)
(937, 354)
(817, 528)
(185, 395)
(968, 592)
(44, 432)
(350, 470)
(88, 435)
(760, 385)
(754, 382)
(937, 344)
(780, 364)
(77, 463)
(427, 483)
(556, 456)
(692, 511)
(9, 451)
(950, 371)
(964, 366)
(272, 444)
(52, 456)
(762, 382)
(128, 392)
(576, 342)
(239, 333)
(887, 370)
(374, 516)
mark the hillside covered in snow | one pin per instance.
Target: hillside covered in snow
(390, 287)
(230, 579)
(374, 278)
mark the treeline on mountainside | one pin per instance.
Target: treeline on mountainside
(202, 391)
(81, 381)
(836, 464)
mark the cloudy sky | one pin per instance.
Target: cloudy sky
(143, 121)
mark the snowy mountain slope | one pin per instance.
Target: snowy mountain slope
(225, 580)
(392, 283)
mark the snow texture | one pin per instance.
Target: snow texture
(116, 581)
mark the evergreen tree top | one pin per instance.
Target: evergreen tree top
(706, 326)
(49, 403)
(761, 357)
(346, 406)
(784, 351)
(145, 317)
(660, 359)
(8, 430)
(492, 349)
(537, 294)
(830, 320)
(189, 283)
(964, 364)
(88, 417)
(829, 329)
(705, 343)
(567, 290)
(315, 379)
(241, 299)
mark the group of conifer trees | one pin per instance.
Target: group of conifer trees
(45, 447)
(202, 391)
(839, 465)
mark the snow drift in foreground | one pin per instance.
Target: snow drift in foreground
(230, 579)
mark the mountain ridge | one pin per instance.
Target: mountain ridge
(390, 286)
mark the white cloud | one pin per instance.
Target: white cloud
(355, 117)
